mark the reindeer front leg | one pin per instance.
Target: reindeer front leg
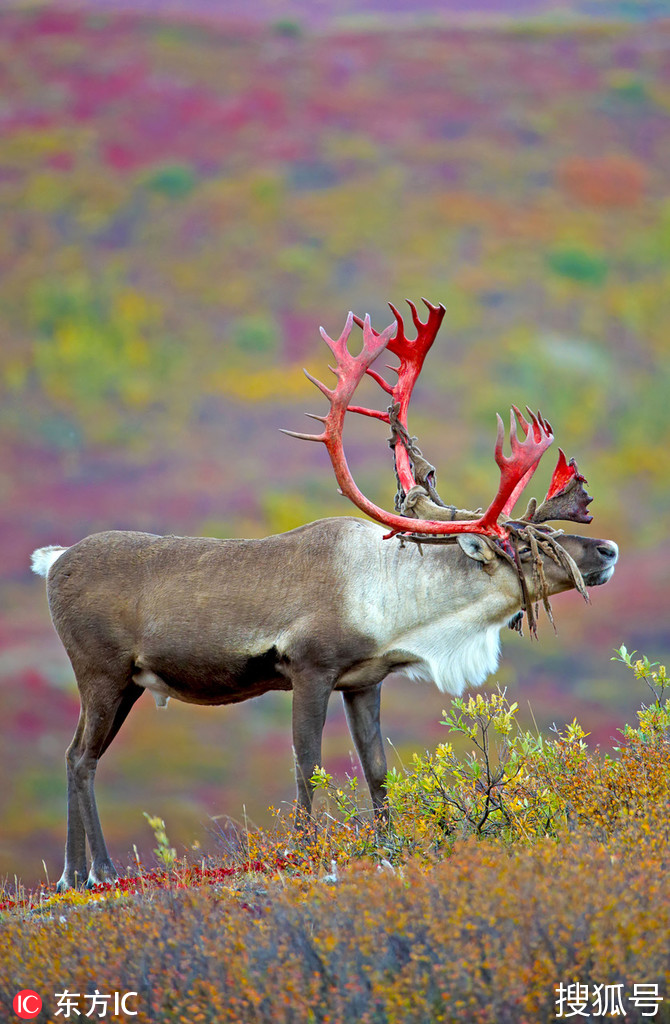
(311, 691)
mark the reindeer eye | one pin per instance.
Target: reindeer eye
(524, 551)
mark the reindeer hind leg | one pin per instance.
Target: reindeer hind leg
(104, 709)
(362, 709)
(75, 870)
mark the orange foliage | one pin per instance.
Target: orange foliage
(475, 931)
(613, 180)
(484, 936)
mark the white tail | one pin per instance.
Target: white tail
(42, 559)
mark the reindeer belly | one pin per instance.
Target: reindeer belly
(226, 680)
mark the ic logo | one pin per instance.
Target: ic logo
(27, 1004)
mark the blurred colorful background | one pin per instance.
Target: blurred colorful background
(188, 192)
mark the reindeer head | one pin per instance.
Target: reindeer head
(545, 560)
(543, 566)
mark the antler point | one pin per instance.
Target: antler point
(301, 436)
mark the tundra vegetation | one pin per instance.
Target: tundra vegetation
(529, 862)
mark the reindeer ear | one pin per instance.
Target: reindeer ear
(476, 546)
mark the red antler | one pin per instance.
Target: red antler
(564, 474)
(567, 497)
(515, 471)
(411, 355)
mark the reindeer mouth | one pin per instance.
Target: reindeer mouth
(599, 576)
(609, 554)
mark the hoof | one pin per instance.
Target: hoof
(71, 880)
(101, 874)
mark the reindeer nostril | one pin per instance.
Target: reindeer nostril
(609, 551)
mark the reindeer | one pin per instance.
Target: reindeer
(334, 605)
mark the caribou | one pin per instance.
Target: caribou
(337, 604)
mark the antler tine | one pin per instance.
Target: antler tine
(540, 425)
(319, 384)
(411, 355)
(563, 473)
(567, 498)
(426, 331)
(400, 334)
(500, 438)
(300, 436)
(517, 469)
(541, 428)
